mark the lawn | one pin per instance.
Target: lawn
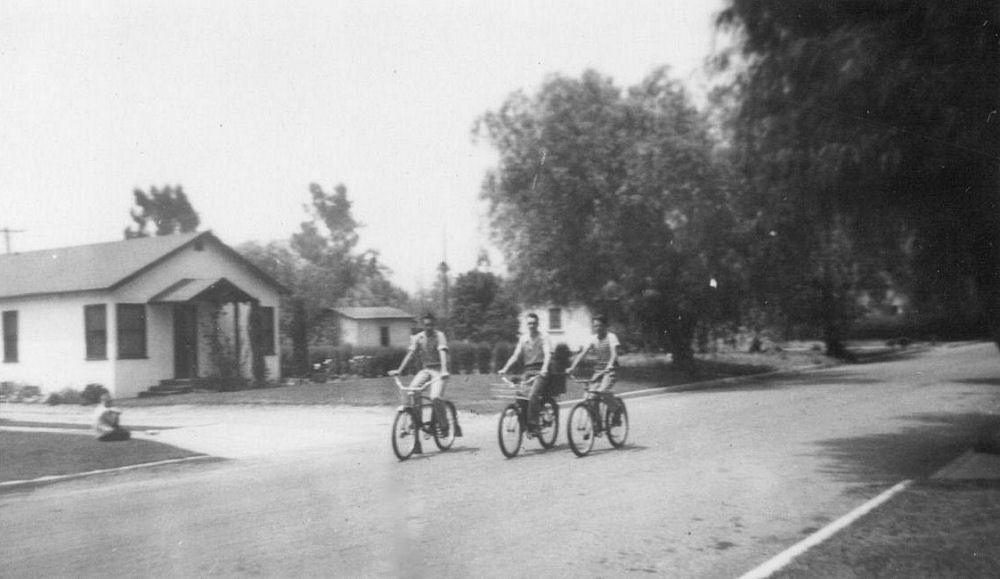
(30, 455)
(478, 392)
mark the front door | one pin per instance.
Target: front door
(185, 341)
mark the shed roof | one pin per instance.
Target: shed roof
(99, 266)
(374, 313)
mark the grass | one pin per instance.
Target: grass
(477, 392)
(30, 455)
(935, 529)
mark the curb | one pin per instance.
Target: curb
(45, 480)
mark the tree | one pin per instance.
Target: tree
(168, 209)
(609, 199)
(881, 117)
(322, 269)
(483, 311)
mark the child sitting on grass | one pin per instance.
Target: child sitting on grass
(106, 421)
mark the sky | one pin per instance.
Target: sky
(245, 103)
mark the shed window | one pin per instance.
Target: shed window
(555, 319)
(95, 328)
(384, 336)
(10, 336)
(131, 331)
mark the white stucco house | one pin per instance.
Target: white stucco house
(374, 326)
(130, 314)
(570, 325)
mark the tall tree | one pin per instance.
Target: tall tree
(609, 199)
(482, 310)
(168, 209)
(881, 116)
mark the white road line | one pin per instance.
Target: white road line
(786, 556)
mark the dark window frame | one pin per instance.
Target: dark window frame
(130, 328)
(267, 330)
(384, 336)
(11, 334)
(555, 319)
(95, 331)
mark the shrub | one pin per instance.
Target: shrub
(501, 353)
(378, 360)
(484, 355)
(462, 357)
(92, 393)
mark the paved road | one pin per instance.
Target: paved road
(712, 483)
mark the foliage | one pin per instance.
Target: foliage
(609, 199)
(92, 393)
(168, 209)
(482, 311)
(322, 269)
(877, 119)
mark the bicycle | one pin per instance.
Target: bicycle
(514, 419)
(592, 417)
(410, 422)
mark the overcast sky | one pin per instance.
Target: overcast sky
(246, 103)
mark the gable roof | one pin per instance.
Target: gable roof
(374, 313)
(99, 266)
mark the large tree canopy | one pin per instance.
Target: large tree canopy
(609, 199)
(880, 116)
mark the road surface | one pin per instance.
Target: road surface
(712, 483)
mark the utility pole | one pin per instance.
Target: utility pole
(6, 235)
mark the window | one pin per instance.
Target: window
(555, 319)
(384, 336)
(267, 330)
(10, 336)
(131, 331)
(95, 328)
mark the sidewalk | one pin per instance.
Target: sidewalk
(220, 431)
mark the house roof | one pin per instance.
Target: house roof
(374, 313)
(99, 266)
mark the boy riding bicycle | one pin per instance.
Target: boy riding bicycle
(537, 352)
(431, 348)
(605, 346)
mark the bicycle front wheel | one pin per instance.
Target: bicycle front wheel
(445, 438)
(509, 433)
(404, 434)
(616, 422)
(548, 422)
(580, 429)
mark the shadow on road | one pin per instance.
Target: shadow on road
(917, 451)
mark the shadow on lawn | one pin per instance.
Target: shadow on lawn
(917, 451)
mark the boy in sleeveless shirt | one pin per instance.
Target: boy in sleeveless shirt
(537, 352)
(605, 346)
(431, 348)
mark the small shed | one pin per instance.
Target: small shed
(374, 326)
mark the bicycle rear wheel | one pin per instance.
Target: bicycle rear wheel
(616, 423)
(509, 432)
(548, 422)
(404, 434)
(445, 439)
(580, 429)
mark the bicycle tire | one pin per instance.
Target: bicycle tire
(548, 422)
(580, 429)
(617, 434)
(404, 433)
(445, 442)
(509, 431)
